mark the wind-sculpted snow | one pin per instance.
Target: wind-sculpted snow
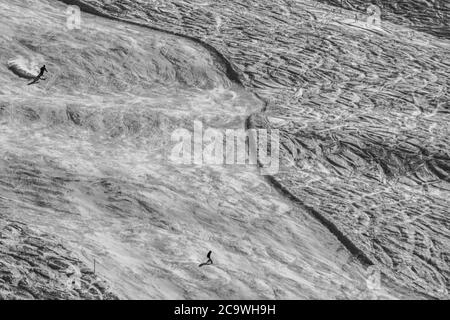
(36, 266)
(429, 16)
(84, 159)
(362, 109)
(362, 115)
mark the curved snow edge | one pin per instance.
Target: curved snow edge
(219, 57)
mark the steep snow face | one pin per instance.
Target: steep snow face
(361, 105)
(84, 157)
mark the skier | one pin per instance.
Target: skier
(39, 76)
(209, 260)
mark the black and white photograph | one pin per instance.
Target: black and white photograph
(238, 152)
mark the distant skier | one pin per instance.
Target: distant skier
(39, 76)
(209, 260)
(209, 257)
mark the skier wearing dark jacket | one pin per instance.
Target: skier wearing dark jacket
(209, 260)
(39, 76)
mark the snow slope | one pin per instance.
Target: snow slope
(85, 153)
(83, 158)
